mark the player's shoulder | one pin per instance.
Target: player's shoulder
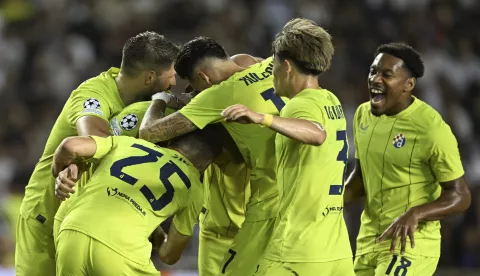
(362, 110)
(429, 122)
(255, 73)
(426, 117)
(101, 83)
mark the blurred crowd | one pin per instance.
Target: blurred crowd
(48, 47)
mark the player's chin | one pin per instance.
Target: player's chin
(377, 110)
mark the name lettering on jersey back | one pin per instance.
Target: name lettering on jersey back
(334, 112)
(254, 77)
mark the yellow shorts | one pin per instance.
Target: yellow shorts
(343, 267)
(243, 257)
(386, 263)
(34, 249)
(211, 251)
(81, 255)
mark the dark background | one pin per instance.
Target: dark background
(48, 47)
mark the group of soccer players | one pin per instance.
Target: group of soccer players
(256, 151)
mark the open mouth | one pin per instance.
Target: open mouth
(377, 96)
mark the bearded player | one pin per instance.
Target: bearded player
(147, 67)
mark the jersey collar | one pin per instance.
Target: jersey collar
(407, 111)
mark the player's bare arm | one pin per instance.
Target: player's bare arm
(354, 188)
(166, 128)
(92, 125)
(304, 131)
(171, 250)
(156, 110)
(71, 150)
(455, 198)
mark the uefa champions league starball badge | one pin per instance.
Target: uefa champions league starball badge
(399, 141)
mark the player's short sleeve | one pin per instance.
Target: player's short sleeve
(85, 102)
(207, 106)
(306, 108)
(444, 154)
(104, 145)
(186, 218)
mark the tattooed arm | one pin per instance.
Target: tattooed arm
(163, 129)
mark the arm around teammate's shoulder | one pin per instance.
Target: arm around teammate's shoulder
(354, 188)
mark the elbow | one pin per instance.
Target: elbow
(68, 145)
(316, 140)
(465, 200)
(143, 132)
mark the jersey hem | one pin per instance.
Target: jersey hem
(191, 119)
(93, 236)
(302, 260)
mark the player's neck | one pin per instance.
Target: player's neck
(301, 82)
(126, 89)
(401, 106)
(226, 69)
(199, 162)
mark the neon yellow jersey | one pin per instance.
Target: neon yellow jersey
(98, 97)
(136, 186)
(403, 159)
(310, 226)
(252, 87)
(227, 190)
(125, 122)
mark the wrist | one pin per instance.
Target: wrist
(416, 212)
(267, 120)
(163, 96)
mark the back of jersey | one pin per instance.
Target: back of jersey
(136, 186)
(252, 87)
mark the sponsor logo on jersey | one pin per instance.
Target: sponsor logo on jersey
(114, 192)
(332, 209)
(399, 141)
(362, 127)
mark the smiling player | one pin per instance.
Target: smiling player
(408, 168)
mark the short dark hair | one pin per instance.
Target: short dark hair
(411, 58)
(194, 51)
(147, 51)
(206, 142)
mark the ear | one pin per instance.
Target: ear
(204, 77)
(150, 77)
(288, 68)
(410, 84)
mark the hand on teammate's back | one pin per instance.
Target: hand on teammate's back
(66, 180)
(241, 114)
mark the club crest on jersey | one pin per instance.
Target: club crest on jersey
(129, 122)
(399, 141)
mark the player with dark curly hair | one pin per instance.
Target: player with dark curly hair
(408, 169)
